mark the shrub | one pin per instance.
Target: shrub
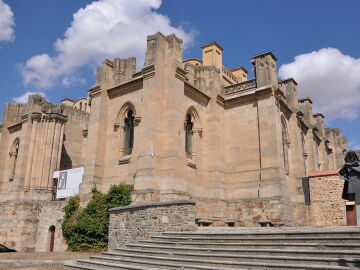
(87, 229)
(71, 213)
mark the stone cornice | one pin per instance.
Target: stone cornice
(126, 87)
(287, 80)
(15, 127)
(195, 94)
(220, 101)
(180, 73)
(247, 96)
(210, 44)
(148, 72)
(94, 91)
(264, 54)
(323, 173)
(35, 115)
(58, 117)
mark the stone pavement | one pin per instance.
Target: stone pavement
(39, 260)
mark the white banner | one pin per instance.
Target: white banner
(68, 182)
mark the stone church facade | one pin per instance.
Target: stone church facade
(178, 130)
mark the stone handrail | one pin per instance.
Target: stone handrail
(239, 87)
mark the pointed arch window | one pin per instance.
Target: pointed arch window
(189, 136)
(305, 154)
(193, 134)
(13, 155)
(129, 125)
(317, 156)
(285, 144)
(124, 127)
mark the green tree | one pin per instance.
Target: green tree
(88, 229)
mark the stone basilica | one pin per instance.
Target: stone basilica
(241, 147)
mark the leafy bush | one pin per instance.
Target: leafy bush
(87, 229)
(71, 213)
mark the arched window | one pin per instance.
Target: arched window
(124, 128)
(285, 143)
(304, 150)
(193, 135)
(129, 124)
(317, 156)
(189, 136)
(13, 155)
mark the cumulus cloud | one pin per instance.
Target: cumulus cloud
(330, 78)
(7, 22)
(103, 29)
(24, 97)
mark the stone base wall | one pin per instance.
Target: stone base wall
(327, 208)
(24, 225)
(242, 213)
(131, 223)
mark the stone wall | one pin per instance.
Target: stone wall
(242, 213)
(327, 208)
(131, 223)
(24, 225)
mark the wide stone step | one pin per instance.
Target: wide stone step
(169, 262)
(134, 263)
(247, 239)
(238, 258)
(267, 233)
(253, 251)
(88, 266)
(288, 245)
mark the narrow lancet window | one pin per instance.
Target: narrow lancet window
(189, 136)
(13, 158)
(285, 142)
(129, 132)
(303, 144)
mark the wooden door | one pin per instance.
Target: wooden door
(351, 215)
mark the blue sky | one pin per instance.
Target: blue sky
(53, 47)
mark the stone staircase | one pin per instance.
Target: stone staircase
(237, 248)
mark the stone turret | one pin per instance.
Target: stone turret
(159, 44)
(212, 55)
(265, 69)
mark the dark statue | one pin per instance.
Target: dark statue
(350, 172)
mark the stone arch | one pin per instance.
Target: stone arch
(195, 116)
(121, 115)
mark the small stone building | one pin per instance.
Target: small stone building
(178, 130)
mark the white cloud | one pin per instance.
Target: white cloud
(330, 78)
(7, 22)
(24, 97)
(354, 145)
(103, 29)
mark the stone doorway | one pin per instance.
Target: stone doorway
(52, 237)
(351, 219)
